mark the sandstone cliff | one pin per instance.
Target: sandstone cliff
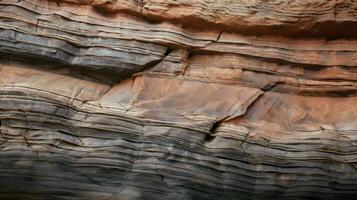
(178, 99)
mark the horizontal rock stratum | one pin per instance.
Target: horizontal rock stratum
(178, 99)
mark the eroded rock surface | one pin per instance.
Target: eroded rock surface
(178, 100)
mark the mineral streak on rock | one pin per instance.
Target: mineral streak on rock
(178, 99)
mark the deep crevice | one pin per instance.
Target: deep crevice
(212, 131)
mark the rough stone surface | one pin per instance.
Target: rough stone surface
(178, 99)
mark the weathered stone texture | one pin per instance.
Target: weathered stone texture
(178, 99)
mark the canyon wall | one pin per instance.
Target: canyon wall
(178, 99)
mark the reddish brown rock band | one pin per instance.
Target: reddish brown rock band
(178, 99)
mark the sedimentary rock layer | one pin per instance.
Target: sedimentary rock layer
(179, 100)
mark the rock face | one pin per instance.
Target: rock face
(178, 99)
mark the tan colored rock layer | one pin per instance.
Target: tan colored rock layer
(310, 17)
(134, 100)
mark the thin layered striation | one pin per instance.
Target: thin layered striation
(179, 100)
